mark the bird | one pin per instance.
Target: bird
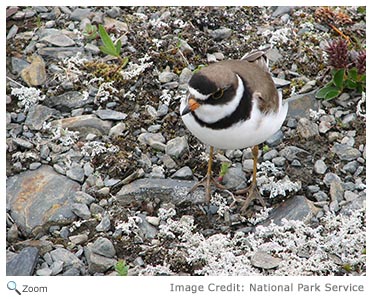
(233, 104)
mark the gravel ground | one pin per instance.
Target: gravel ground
(99, 163)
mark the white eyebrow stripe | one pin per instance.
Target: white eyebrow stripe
(195, 93)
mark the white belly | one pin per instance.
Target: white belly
(241, 135)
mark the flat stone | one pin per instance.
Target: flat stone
(292, 152)
(78, 239)
(110, 114)
(69, 259)
(248, 165)
(279, 161)
(85, 124)
(68, 101)
(104, 247)
(320, 196)
(37, 115)
(148, 138)
(18, 65)
(296, 208)
(185, 75)
(80, 13)
(117, 130)
(44, 272)
(345, 152)
(60, 52)
(35, 74)
(357, 204)
(165, 190)
(275, 139)
(330, 177)
(351, 166)
(320, 167)
(177, 147)
(23, 264)
(300, 105)
(306, 128)
(264, 260)
(148, 231)
(75, 172)
(43, 246)
(270, 155)
(56, 267)
(59, 40)
(118, 25)
(39, 198)
(22, 143)
(167, 76)
(308, 86)
(184, 173)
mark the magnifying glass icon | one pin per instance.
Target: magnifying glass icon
(13, 287)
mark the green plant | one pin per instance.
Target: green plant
(265, 148)
(342, 79)
(348, 70)
(223, 170)
(108, 46)
(90, 32)
(121, 268)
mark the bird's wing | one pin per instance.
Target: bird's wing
(258, 57)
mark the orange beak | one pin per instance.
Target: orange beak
(192, 105)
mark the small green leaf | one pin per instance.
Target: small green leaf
(351, 84)
(118, 47)
(338, 78)
(323, 91)
(108, 47)
(352, 74)
(332, 94)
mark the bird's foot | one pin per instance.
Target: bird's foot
(252, 194)
(206, 182)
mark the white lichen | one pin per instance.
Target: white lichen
(27, 96)
(132, 70)
(95, 148)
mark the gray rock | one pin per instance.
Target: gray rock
(148, 231)
(235, 178)
(165, 190)
(167, 76)
(300, 105)
(68, 101)
(270, 155)
(34, 165)
(44, 272)
(274, 55)
(78, 239)
(320, 167)
(110, 114)
(60, 52)
(221, 33)
(185, 76)
(280, 82)
(168, 162)
(37, 115)
(334, 206)
(96, 209)
(56, 267)
(22, 143)
(308, 86)
(162, 110)
(12, 233)
(104, 247)
(184, 173)
(97, 263)
(23, 264)
(248, 165)
(68, 259)
(177, 147)
(104, 224)
(59, 39)
(264, 260)
(275, 139)
(81, 210)
(324, 126)
(336, 191)
(117, 130)
(46, 195)
(185, 47)
(357, 204)
(35, 74)
(281, 10)
(157, 172)
(292, 152)
(148, 138)
(296, 208)
(80, 13)
(346, 152)
(75, 172)
(18, 65)
(320, 196)
(307, 129)
(279, 161)
(85, 124)
(330, 177)
(113, 12)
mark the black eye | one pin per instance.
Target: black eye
(218, 94)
